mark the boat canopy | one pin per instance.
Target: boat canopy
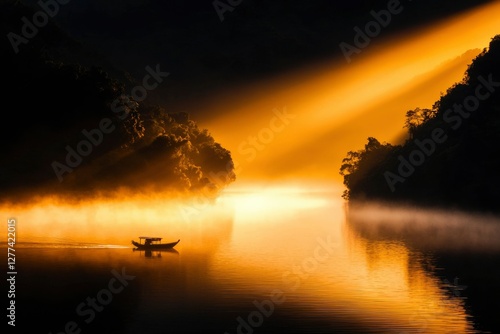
(151, 238)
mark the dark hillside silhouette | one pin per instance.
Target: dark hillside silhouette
(55, 110)
(452, 154)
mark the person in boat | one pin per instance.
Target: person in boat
(147, 242)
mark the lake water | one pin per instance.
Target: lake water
(274, 261)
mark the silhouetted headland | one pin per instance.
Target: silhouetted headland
(79, 127)
(451, 156)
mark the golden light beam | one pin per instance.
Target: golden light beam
(327, 97)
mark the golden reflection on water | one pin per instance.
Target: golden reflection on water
(382, 283)
(252, 243)
(394, 278)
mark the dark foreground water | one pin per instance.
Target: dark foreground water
(286, 263)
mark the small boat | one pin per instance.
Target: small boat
(153, 243)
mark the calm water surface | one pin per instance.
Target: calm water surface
(272, 262)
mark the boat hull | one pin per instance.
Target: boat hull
(155, 246)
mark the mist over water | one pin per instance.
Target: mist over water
(115, 221)
(339, 269)
(434, 229)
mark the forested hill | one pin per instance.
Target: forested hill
(73, 128)
(452, 155)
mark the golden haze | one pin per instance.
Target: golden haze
(337, 105)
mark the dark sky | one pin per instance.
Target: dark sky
(256, 38)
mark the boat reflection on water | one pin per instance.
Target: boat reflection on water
(156, 253)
